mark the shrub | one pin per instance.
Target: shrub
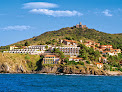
(106, 67)
(27, 57)
(87, 62)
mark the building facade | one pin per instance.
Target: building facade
(69, 42)
(103, 47)
(51, 59)
(80, 25)
(69, 50)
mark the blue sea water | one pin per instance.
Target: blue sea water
(59, 83)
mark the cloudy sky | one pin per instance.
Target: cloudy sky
(23, 19)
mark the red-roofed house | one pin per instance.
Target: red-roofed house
(99, 65)
(106, 47)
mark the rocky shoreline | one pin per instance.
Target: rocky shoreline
(61, 70)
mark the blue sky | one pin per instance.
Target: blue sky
(23, 19)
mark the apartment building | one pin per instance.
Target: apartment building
(40, 47)
(69, 50)
(25, 51)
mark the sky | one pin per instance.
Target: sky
(23, 19)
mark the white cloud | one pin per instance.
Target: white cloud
(107, 13)
(39, 5)
(57, 13)
(16, 28)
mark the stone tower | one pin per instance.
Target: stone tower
(80, 23)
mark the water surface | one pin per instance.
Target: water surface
(59, 83)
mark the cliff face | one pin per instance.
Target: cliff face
(72, 70)
(17, 63)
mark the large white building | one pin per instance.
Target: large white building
(34, 49)
(69, 50)
(40, 47)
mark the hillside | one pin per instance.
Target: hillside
(53, 37)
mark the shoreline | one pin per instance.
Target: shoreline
(67, 74)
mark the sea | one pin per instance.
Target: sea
(59, 83)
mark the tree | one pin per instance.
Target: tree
(87, 62)
(46, 47)
(27, 43)
(59, 53)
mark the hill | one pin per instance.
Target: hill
(53, 37)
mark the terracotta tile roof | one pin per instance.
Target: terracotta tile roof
(100, 63)
(106, 45)
(50, 56)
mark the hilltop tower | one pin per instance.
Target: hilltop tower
(80, 25)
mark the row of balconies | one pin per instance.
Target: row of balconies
(25, 50)
(21, 52)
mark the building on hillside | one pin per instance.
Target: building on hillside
(51, 59)
(116, 50)
(40, 47)
(13, 47)
(25, 51)
(105, 52)
(34, 49)
(103, 47)
(69, 50)
(113, 53)
(90, 43)
(103, 59)
(80, 25)
(90, 46)
(69, 42)
(99, 65)
(76, 59)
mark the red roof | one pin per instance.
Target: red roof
(49, 55)
(100, 63)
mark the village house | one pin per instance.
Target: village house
(89, 43)
(103, 47)
(105, 52)
(99, 65)
(13, 47)
(76, 59)
(51, 59)
(103, 59)
(113, 53)
(69, 42)
(116, 50)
